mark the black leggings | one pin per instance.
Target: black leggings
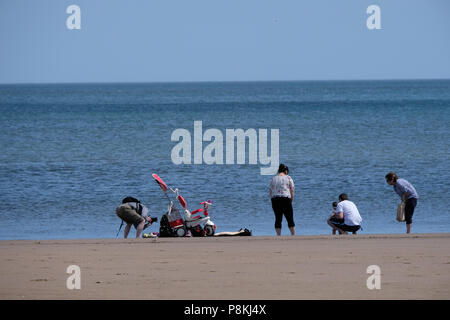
(282, 206)
(410, 205)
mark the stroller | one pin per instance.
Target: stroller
(172, 223)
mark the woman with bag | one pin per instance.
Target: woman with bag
(408, 195)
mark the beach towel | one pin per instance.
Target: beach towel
(242, 232)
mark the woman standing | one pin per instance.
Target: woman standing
(282, 195)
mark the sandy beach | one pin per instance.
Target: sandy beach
(301, 267)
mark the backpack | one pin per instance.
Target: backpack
(130, 199)
(138, 204)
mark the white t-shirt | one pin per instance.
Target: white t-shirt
(351, 213)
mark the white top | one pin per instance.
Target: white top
(351, 213)
(280, 186)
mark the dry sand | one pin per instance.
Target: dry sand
(302, 267)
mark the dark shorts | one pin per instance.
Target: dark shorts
(337, 220)
(339, 223)
(129, 215)
(280, 206)
(410, 205)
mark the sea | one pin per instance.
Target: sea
(71, 152)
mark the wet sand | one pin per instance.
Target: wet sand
(413, 266)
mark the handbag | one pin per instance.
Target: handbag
(401, 212)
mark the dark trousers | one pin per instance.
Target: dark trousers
(280, 206)
(410, 205)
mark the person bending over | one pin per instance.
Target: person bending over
(407, 193)
(132, 212)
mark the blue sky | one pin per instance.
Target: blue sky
(222, 40)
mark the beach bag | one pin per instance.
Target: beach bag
(164, 227)
(401, 212)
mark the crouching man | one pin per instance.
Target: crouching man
(132, 212)
(347, 218)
